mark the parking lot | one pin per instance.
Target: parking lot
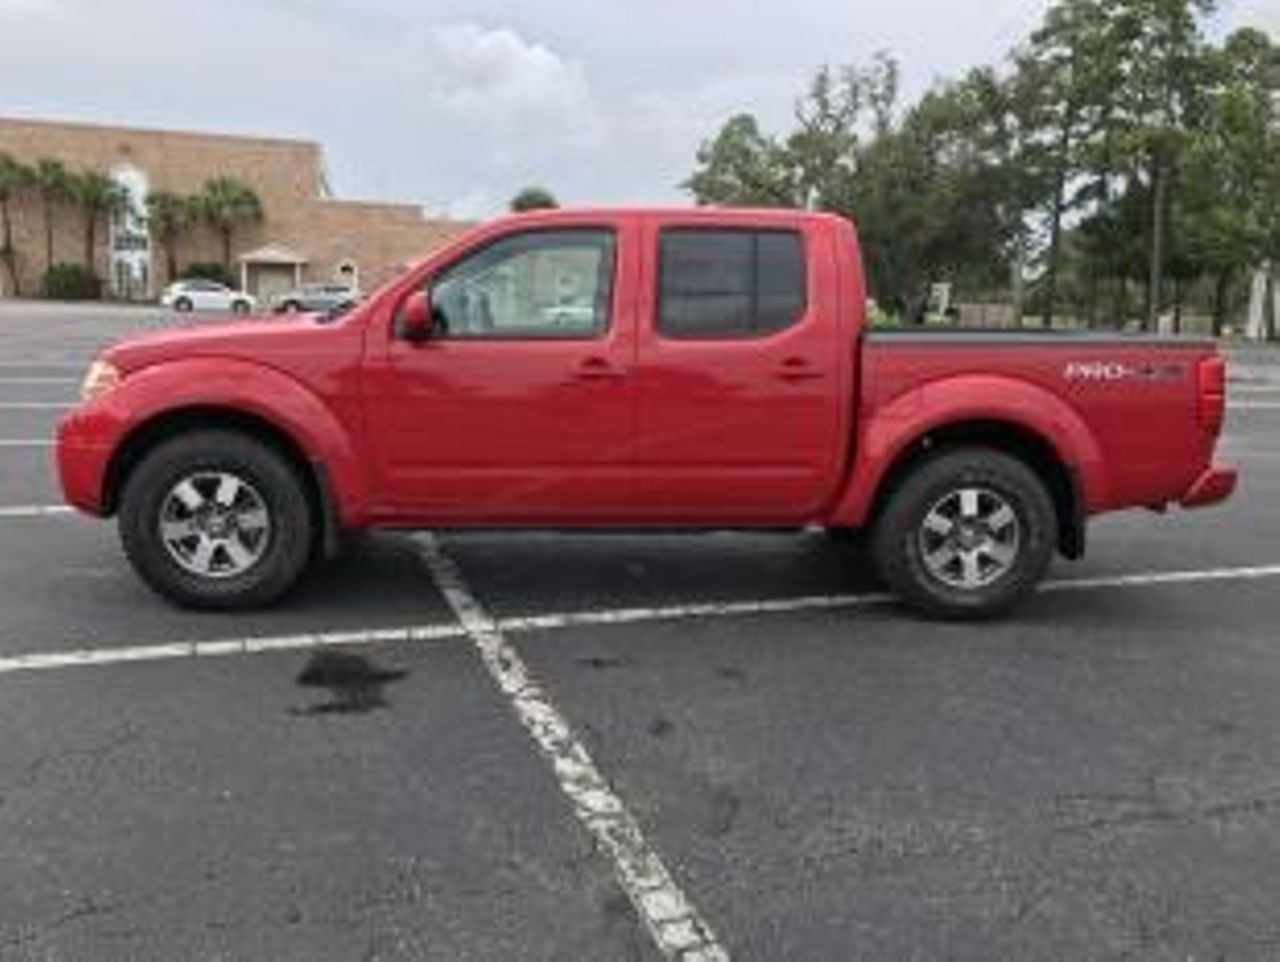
(572, 747)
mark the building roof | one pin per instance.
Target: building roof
(273, 254)
(136, 129)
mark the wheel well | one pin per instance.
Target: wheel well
(1032, 449)
(173, 423)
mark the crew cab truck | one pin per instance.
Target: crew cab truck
(637, 369)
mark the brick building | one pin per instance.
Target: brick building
(305, 234)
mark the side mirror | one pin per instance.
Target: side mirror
(417, 319)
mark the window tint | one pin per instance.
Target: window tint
(543, 284)
(730, 283)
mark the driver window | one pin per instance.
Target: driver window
(542, 284)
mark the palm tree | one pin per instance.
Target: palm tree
(54, 184)
(226, 204)
(14, 177)
(168, 217)
(98, 196)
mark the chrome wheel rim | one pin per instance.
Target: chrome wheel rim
(215, 524)
(970, 538)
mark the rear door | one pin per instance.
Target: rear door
(519, 407)
(739, 391)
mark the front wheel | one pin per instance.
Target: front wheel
(240, 307)
(967, 535)
(216, 520)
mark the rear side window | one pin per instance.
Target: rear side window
(729, 283)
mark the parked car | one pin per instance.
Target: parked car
(317, 297)
(198, 294)
(718, 373)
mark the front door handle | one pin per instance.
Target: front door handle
(598, 369)
(798, 369)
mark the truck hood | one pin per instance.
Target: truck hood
(258, 339)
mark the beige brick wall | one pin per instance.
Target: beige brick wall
(286, 174)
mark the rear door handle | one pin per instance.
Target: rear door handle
(798, 369)
(598, 369)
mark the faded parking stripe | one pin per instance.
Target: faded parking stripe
(673, 922)
(44, 661)
(602, 618)
(35, 511)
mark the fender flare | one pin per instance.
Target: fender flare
(261, 392)
(891, 431)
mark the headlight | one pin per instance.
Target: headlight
(102, 377)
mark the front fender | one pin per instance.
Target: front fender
(94, 434)
(889, 431)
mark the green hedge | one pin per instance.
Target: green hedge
(71, 282)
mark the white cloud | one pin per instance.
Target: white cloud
(29, 7)
(496, 77)
(1263, 14)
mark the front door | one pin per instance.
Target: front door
(518, 408)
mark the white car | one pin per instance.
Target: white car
(201, 295)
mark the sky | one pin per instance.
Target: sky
(456, 104)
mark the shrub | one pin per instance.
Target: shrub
(71, 282)
(210, 271)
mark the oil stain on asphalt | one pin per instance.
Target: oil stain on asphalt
(354, 684)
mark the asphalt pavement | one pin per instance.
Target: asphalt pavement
(556, 747)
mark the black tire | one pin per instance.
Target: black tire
(183, 305)
(291, 307)
(240, 307)
(289, 539)
(850, 537)
(900, 534)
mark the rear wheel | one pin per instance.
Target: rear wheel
(183, 305)
(967, 535)
(215, 519)
(240, 307)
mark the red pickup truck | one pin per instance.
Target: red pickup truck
(636, 369)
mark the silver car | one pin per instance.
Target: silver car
(322, 298)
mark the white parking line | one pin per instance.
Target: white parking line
(20, 511)
(34, 381)
(25, 443)
(36, 405)
(729, 609)
(44, 661)
(673, 922)
(45, 365)
(530, 624)
(1254, 406)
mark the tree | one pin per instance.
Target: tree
(14, 178)
(1228, 215)
(1068, 66)
(743, 168)
(533, 198)
(169, 216)
(1166, 77)
(226, 205)
(98, 196)
(53, 182)
(1115, 150)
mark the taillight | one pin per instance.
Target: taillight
(1211, 392)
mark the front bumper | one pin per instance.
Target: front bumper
(84, 457)
(1216, 484)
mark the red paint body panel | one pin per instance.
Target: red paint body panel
(678, 432)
